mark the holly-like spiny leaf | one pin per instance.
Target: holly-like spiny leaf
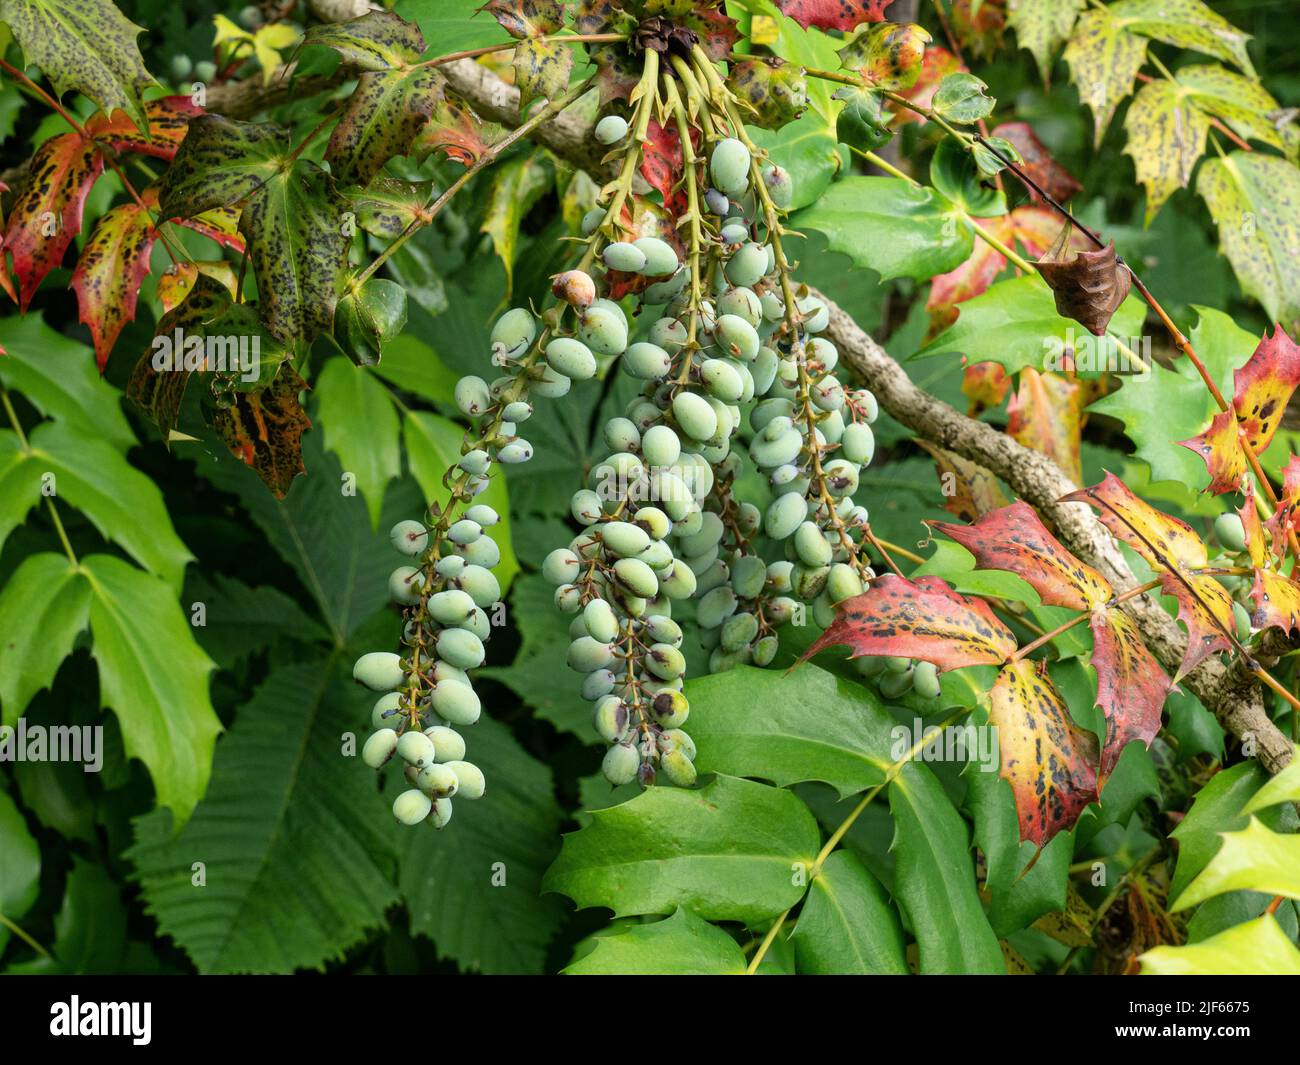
(1046, 414)
(1048, 760)
(889, 55)
(452, 129)
(922, 619)
(388, 206)
(169, 119)
(527, 18)
(1275, 595)
(834, 14)
(377, 40)
(1104, 61)
(776, 91)
(1014, 539)
(220, 163)
(975, 489)
(383, 116)
(541, 70)
(1131, 686)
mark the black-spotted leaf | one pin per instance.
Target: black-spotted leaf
(377, 40)
(1042, 25)
(1166, 136)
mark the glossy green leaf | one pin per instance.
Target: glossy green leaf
(1218, 807)
(1254, 859)
(516, 186)
(847, 925)
(44, 605)
(680, 945)
(20, 866)
(90, 928)
(1256, 948)
(891, 226)
(411, 365)
(807, 725)
(361, 427)
(296, 867)
(1285, 787)
(732, 850)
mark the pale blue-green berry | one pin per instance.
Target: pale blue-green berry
(816, 315)
(1230, 532)
(710, 532)
(647, 361)
(782, 609)
(785, 514)
(379, 747)
(386, 711)
(585, 654)
(773, 307)
(765, 650)
(897, 663)
(412, 807)
(568, 598)
(841, 477)
(809, 581)
(478, 623)
(925, 680)
(822, 352)
(769, 411)
(621, 434)
(472, 784)
(448, 744)
(517, 411)
(738, 631)
(763, 370)
(675, 737)
(740, 303)
(827, 394)
(663, 629)
(597, 683)
(716, 606)
(465, 531)
(670, 708)
(677, 767)
(610, 718)
(865, 401)
(680, 582)
(561, 566)
(870, 665)
(660, 259)
(451, 606)
(611, 129)
(603, 329)
(624, 538)
(635, 576)
(456, 702)
(439, 781)
(696, 418)
(729, 166)
(409, 537)
(747, 265)
(624, 256)
(585, 506)
(515, 452)
(811, 545)
(440, 816)
(513, 332)
(461, 648)
(572, 358)
(668, 333)
(620, 764)
(472, 395)
(404, 585)
(661, 446)
(1241, 616)
(662, 291)
(655, 522)
(736, 337)
(734, 233)
(482, 552)
(780, 187)
(665, 661)
(858, 444)
(601, 624)
(717, 202)
(658, 555)
(379, 671)
(483, 514)
(748, 576)
(721, 380)
(591, 220)
(481, 585)
(896, 685)
(842, 583)
(551, 385)
(477, 461)
(415, 748)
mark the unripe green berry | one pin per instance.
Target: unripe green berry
(379, 671)
(412, 807)
(379, 747)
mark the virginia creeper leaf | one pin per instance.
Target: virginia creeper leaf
(44, 606)
(1042, 25)
(20, 865)
(361, 427)
(516, 186)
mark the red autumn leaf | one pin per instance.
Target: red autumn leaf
(937, 65)
(1284, 518)
(1049, 761)
(718, 32)
(1174, 549)
(1220, 447)
(1039, 163)
(47, 214)
(107, 279)
(662, 166)
(1276, 596)
(1131, 686)
(169, 118)
(454, 130)
(1263, 387)
(979, 25)
(834, 14)
(986, 385)
(969, 490)
(1014, 539)
(5, 283)
(923, 619)
(1046, 414)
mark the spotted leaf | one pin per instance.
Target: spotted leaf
(1171, 547)
(717, 31)
(220, 163)
(454, 130)
(1284, 517)
(382, 118)
(1220, 447)
(1166, 136)
(889, 55)
(541, 70)
(377, 40)
(113, 265)
(1264, 386)
(264, 429)
(969, 489)
(1131, 686)
(922, 619)
(1046, 414)
(47, 213)
(776, 91)
(527, 18)
(83, 45)
(1048, 760)
(388, 206)
(1013, 538)
(834, 14)
(986, 385)
(1104, 61)
(169, 120)
(1042, 26)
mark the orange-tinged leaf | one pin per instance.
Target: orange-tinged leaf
(264, 429)
(1014, 539)
(834, 14)
(174, 284)
(662, 166)
(923, 619)
(1275, 595)
(1220, 447)
(1048, 760)
(169, 118)
(1263, 387)
(454, 130)
(1046, 414)
(1252, 527)
(1174, 549)
(107, 279)
(1284, 517)
(220, 224)
(1039, 163)
(47, 214)
(969, 489)
(1131, 686)
(986, 385)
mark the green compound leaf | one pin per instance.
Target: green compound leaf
(932, 854)
(1043, 25)
(1166, 136)
(1252, 198)
(361, 427)
(90, 929)
(86, 45)
(731, 851)
(681, 945)
(1104, 62)
(220, 163)
(475, 888)
(377, 40)
(296, 864)
(810, 725)
(847, 926)
(44, 605)
(20, 866)
(155, 679)
(1254, 859)
(1015, 324)
(891, 226)
(1257, 947)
